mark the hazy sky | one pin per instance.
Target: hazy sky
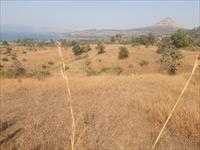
(77, 15)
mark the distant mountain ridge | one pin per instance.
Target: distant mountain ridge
(167, 25)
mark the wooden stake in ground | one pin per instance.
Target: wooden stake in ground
(64, 75)
(182, 92)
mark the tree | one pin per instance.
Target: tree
(171, 59)
(100, 48)
(164, 44)
(77, 50)
(112, 39)
(151, 38)
(181, 39)
(123, 52)
(118, 37)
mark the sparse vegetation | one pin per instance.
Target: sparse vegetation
(97, 82)
(100, 48)
(90, 71)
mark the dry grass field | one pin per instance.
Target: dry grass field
(118, 104)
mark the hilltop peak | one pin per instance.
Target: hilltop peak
(168, 21)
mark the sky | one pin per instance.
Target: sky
(65, 15)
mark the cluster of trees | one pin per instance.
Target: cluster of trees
(168, 48)
(78, 50)
(116, 38)
(149, 39)
(195, 34)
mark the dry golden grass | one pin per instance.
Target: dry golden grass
(123, 112)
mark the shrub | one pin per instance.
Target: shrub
(44, 66)
(123, 52)
(4, 59)
(100, 48)
(105, 69)
(40, 74)
(144, 63)
(23, 59)
(171, 60)
(24, 52)
(15, 71)
(8, 50)
(117, 70)
(90, 71)
(18, 70)
(50, 62)
(86, 48)
(181, 39)
(77, 50)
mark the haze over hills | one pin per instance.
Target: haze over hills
(166, 25)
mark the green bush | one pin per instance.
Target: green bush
(181, 39)
(77, 50)
(171, 59)
(100, 48)
(105, 69)
(123, 53)
(146, 40)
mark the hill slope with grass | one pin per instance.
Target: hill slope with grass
(118, 103)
